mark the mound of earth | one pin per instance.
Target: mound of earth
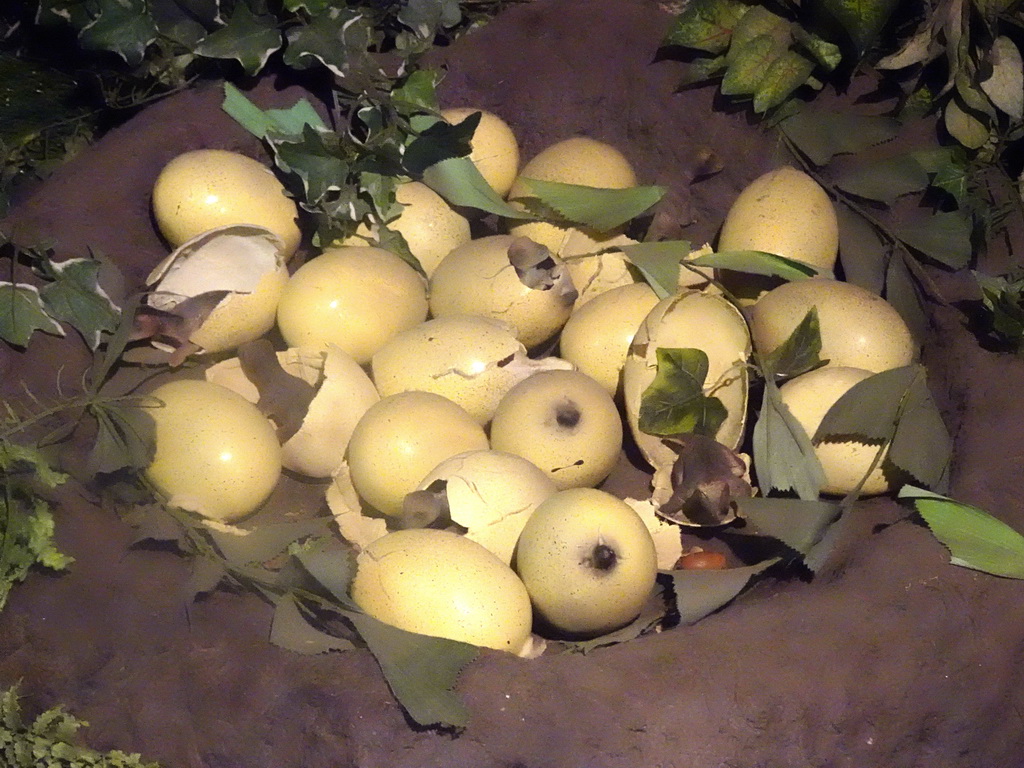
(893, 658)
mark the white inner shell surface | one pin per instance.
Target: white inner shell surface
(215, 261)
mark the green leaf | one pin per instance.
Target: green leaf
(265, 542)
(884, 180)
(659, 263)
(75, 297)
(758, 263)
(602, 209)
(784, 75)
(799, 353)
(965, 127)
(22, 312)
(52, 741)
(974, 538)
(706, 25)
(26, 536)
(675, 402)
(943, 236)
(125, 439)
(247, 38)
(421, 671)
(260, 123)
(894, 407)
(32, 99)
(799, 524)
(862, 251)
(784, 458)
(124, 27)
(750, 65)
(291, 630)
(439, 142)
(459, 182)
(702, 70)
(701, 593)
(1005, 85)
(903, 291)
(822, 134)
(339, 39)
(427, 18)
(1004, 299)
(826, 54)
(332, 564)
(863, 20)
(315, 157)
(759, 22)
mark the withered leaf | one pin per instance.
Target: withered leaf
(707, 478)
(283, 398)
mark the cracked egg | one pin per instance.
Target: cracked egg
(469, 359)
(690, 320)
(319, 419)
(489, 493)
(511, 279)
(215, 292)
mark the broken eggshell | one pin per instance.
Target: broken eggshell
(343, 393)
(241, 267)
(507, 278)
(469, 359)
(690, 320)
(489, 493)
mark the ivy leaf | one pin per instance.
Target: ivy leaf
(75, 297)
(800, 352)
(822, 134)
(701, 593)
(316, 159)
(894, 407)
(787, 73)
(1003, 297)
(884, 180)
(1005, 86)
(659, 263)
(185, 21)
(426, 18)
(674, 402)
(863, 20)
(459, 182)
(247, 38)
(974, 538)
(602, 209)
(339, 39)
(784, 458)
(706, 25)
(260, 122)
(291, 629)
(439, 142)
(122, 26)
(22, 312)
(421, 670)
(944, 236)
(758, 263)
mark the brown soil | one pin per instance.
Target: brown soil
(894, 658)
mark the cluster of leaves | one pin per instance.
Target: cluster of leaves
(26, 521)
(51, 741)
(70, 293)
(982, 85)
(1003, 297)
(759, 54)
(170, 36)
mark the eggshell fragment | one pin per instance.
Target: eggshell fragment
(469, 359)
(246, 263)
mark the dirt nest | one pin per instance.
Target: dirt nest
(894, 658)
